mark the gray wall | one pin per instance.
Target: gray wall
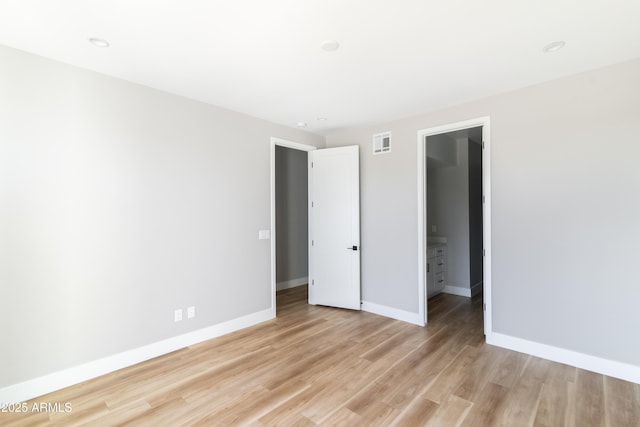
(565, 183)
(119, 204)
(442, 150)
(475, 212)
(448, 209)
(291, 215)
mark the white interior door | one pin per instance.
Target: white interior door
(334, 227)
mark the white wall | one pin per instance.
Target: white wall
(292, 232)
(565, 185)
(119, 204)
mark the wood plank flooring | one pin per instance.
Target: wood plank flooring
(321, 366)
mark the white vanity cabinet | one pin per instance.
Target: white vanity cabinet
(436, 268)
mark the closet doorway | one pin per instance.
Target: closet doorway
(289, 215)
(454, 213)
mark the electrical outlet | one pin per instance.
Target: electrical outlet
(191, 312)
(177, 315)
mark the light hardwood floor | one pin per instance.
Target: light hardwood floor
(322, 366)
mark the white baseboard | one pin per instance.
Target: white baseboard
(457, 290)
(286, 284)
(602, 366)
(394, 313)
(55, 381)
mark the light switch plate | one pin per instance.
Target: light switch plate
(264, 234)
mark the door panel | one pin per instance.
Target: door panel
(334, 227)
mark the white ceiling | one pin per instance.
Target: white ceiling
(263, 57)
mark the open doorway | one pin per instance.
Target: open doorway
(292, 228)
(454, 213)
(289, 216)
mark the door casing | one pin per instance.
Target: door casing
(296, 146)
(484, 122)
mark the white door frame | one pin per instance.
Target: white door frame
(486, 212)
(296, 146)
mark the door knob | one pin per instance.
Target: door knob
(353, 248)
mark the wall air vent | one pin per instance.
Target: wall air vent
(382, 143)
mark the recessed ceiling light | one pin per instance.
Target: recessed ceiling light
(322, 119)
(99, 42)
(329, 45)
(553, 47)
(301, 124)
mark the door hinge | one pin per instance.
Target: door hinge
(484, 253)
(313, 282)
(483, 145)
(311, 204)
(312, 243)
(484, 306)
(483, 198)
(312, 164)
